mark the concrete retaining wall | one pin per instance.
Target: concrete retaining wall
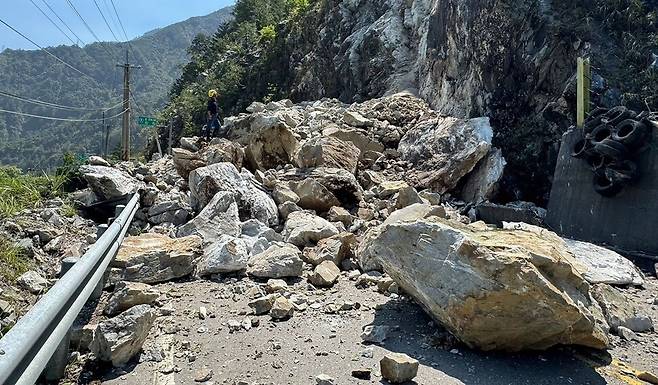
(627, 222)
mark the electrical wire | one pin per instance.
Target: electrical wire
(52, 22)
(63, 22)
(130, 46)
(54, 105)
(45, 50)
(108, 11)
(105, 20)
(61, 119)
(88, 27)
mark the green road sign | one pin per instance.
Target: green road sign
(146, 121)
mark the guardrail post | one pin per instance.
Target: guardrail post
(96, 294)
(56, 367)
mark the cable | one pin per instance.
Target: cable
(118, 18)
(62, 119)
(130, 46)
(88, 27)
(105, 20)
(63, 22)
(54, 105)
(45, 50)
(108, 11)
(52, 22)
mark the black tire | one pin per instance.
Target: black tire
(598, 111)
(605, 187)
(582, 149)
(591, 124)
(600, 133)
(598, 162)
(615, 115)
(613, 150)
(624, 172)
(631, 133)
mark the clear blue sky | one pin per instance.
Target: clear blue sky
(138, 17)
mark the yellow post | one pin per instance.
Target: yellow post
(582, 92)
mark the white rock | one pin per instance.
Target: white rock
(305, 229)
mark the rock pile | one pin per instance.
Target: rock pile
(321, 192)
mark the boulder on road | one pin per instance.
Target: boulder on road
(152, 257)
(253, 202)
(305, 229)
(398, 368)
(328, 152)
(324, 274)
(119, 339)
(482, 182)
(335, 249)
(271, 147)
(220, 216)
(223, 150)
(171, 211)
(186, 161)
(443, 149)
(109, 183)
(279, 261)
(493, 289)
(227, 254)
(129, 294)
(322, 188)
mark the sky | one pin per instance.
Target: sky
(137, 16)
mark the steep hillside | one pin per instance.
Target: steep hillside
(513, 61)
(36, 143)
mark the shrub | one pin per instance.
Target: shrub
(13, 262)
(267, 34)
(20, 191)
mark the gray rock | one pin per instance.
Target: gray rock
(129, 294)
(339, 214)
(205, 182)
(270, 147)
(442, 150)
(152, 257)
(481, 184)
(324, 379)
(225, 255)
(335, 249)
(493, 289)
(398, 368)
(169, 212)
(355, 119)
(322, 188)
(328, 152)
(407, 196)
(119, 339)
(262, 305)
(603, 265)
(219, 217)
(95, 160)
(282, 309)
(279, 261)
(324, 274)
(108, 183)
(187, 161)
(620, 311)
(375, 334)
(282, 194)
(627, 334)
(33, 282)
(305, 229)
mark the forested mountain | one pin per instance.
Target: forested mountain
(39, 144)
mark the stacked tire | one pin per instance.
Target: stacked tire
(611, 140)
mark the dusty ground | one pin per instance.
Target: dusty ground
(314, 342)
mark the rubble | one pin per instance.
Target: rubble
(129, 294)
(398, 368)
(278, 261)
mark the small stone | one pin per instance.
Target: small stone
(324, 379)
(282, 309)
(325, 274)
(627, 334)
(398, 368)
(203, 312)
(203, 375)
(375, 334)
(274, 285)
(33, 282)
(233, 325)
(262, 305)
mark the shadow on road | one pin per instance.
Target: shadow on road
(416, 335)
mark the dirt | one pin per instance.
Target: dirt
(314, 342)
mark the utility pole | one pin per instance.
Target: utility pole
(125, 133)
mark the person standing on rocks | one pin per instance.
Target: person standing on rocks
(213, 115)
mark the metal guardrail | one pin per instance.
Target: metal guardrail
(38, 343)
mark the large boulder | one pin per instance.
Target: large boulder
(186, 161)
(328, 152)
(253, 202)
(357, 137)
(493, 289)
(271, 147)
(223, 150)
(220, 216)
(170, 211)
(119, 339)
(279, 261)
(152, 257)
(129, 294)
(109, 183)
(305, 229)
(227, 254)
(322, 188)
(481, 184)
(443, 149)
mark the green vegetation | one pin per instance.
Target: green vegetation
(13, 262)
(20, 191)
(38, 144)
(239, 60)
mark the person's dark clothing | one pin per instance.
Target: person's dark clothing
(212, 107)
(213, 125)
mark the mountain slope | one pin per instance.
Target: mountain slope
(39, 144)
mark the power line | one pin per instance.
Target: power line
(61, 119)
(88, 27)
(63, 22)
(52, 22)
(118, 18)
(54, 105)
(45, 50)
(130, 46)
(108, 11)
(105, 20)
